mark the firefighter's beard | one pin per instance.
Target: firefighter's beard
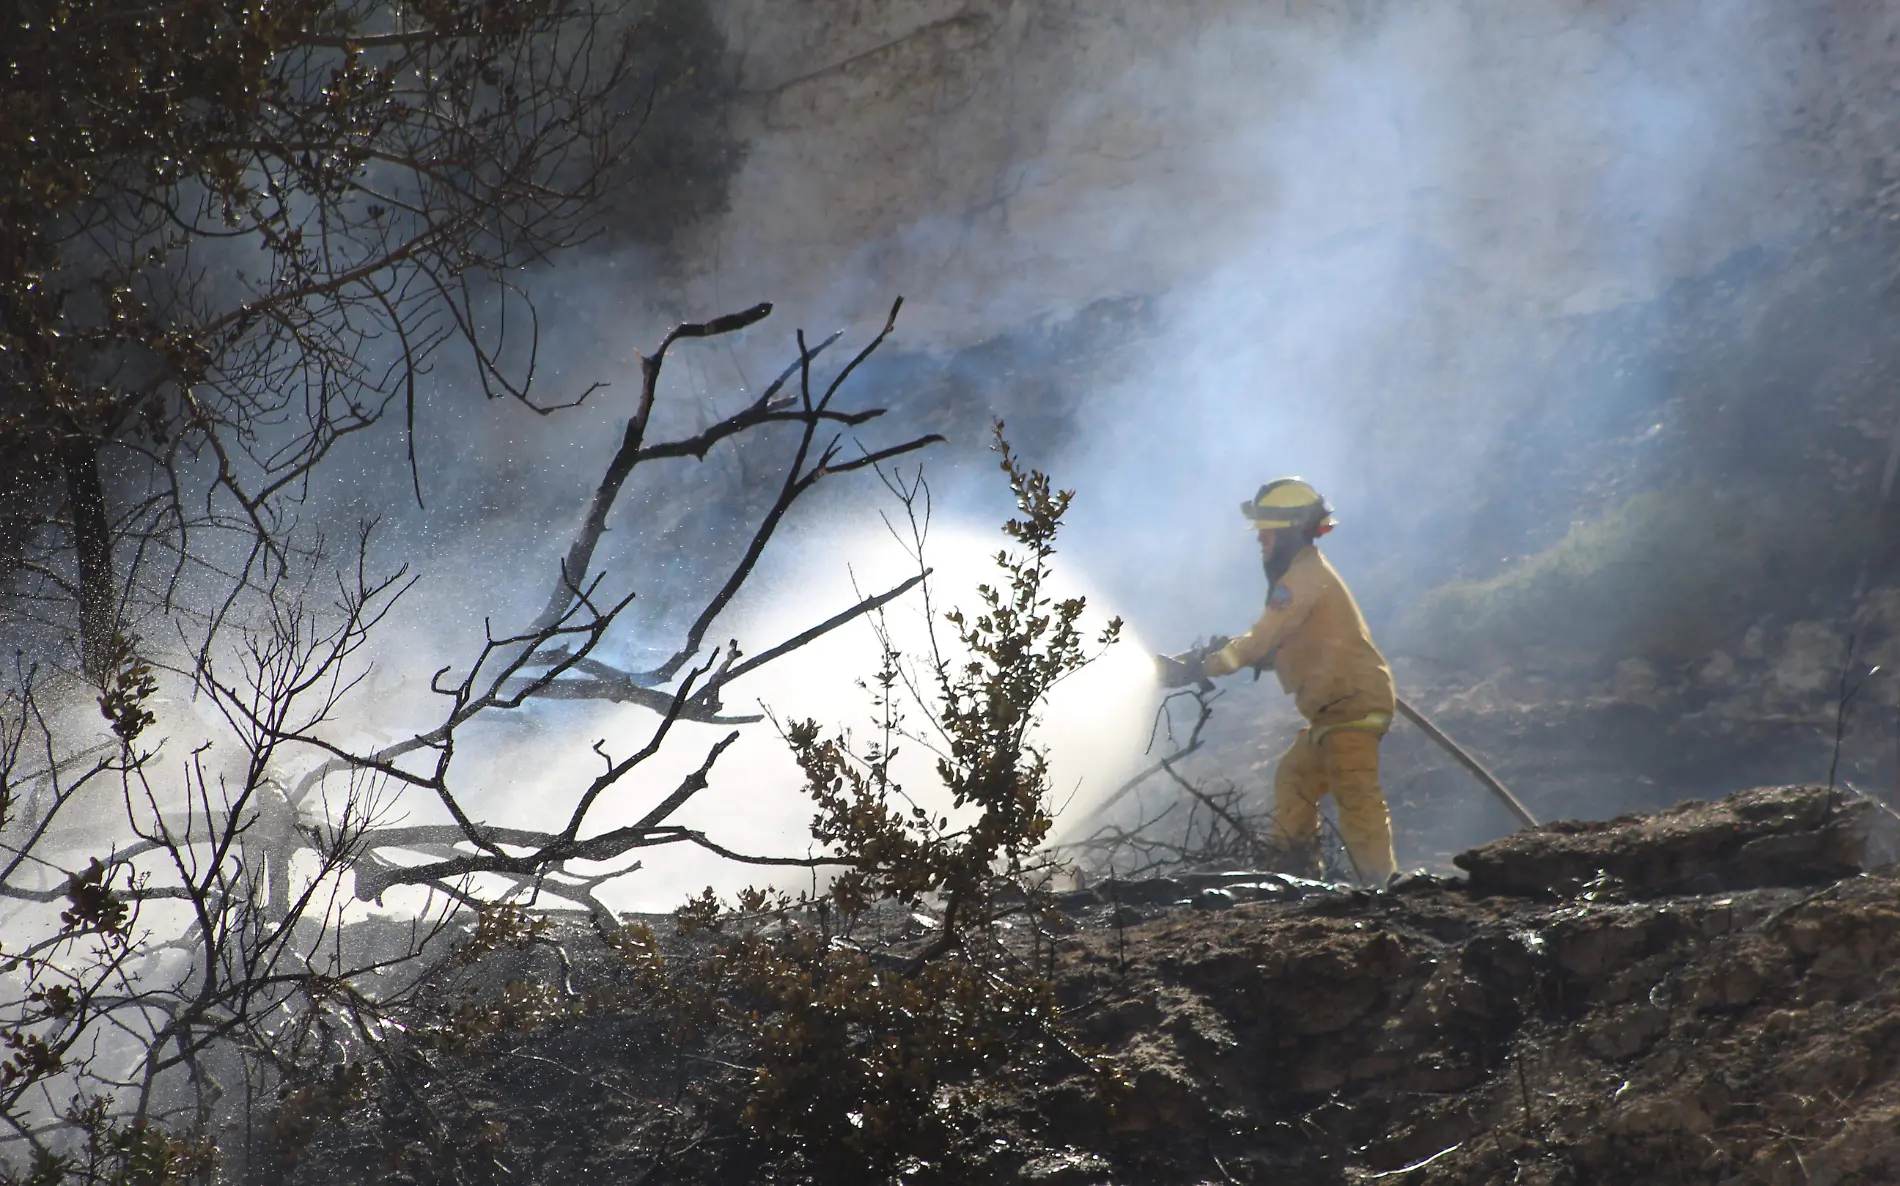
(1286, 545)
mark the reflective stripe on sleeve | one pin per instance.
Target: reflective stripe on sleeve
(1227, 659)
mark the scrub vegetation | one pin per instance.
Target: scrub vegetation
(820, 1042)
(1667, 576)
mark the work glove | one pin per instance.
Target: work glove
(1179, 671)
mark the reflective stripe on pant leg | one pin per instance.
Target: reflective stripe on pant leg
(1299, 783)
(1378, 722)
(1352, 773)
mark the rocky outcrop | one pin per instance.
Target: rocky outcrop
(1614, 1029)
(1776, 836)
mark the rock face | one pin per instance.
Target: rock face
(996, 158)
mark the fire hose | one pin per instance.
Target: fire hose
(1182, 669)
(1470, 763)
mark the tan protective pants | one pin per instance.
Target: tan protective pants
(1345, 764)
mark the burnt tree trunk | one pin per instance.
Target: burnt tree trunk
(92, 543)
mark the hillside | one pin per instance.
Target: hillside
(1710, 994)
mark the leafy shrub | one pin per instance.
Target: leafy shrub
(870, 1056)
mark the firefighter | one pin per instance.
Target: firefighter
(1314, 638)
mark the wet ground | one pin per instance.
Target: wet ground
(1709, 995)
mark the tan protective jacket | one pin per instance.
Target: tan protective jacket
(1316, 641)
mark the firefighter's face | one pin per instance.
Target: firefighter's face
(1266, 536)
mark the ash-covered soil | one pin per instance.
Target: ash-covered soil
(1709, 994)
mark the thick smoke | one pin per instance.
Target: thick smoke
(1357, 227)
(1359, 231)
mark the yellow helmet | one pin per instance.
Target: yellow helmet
(1287, 502)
